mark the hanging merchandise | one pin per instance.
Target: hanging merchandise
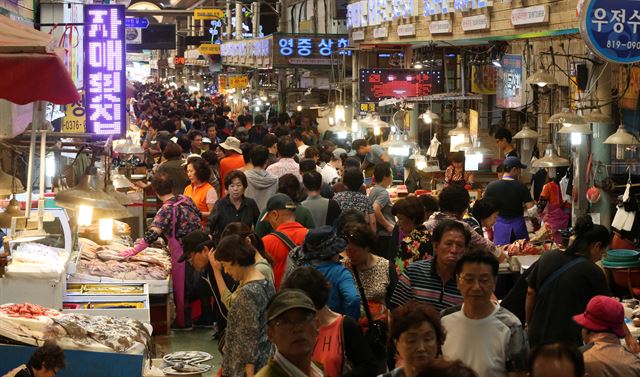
(626, 213)
(433, 147)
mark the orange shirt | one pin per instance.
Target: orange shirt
(551, 192)
(199, 194)
(279, 251)
(232, 162)
(328, 350)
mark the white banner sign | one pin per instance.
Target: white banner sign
(441, 27)
(357, 35)
(537, 14)
(381, 32)
(408, 30)
(475, 23)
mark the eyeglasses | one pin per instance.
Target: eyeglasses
(482, 280)
(292, 322)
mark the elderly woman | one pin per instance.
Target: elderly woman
(172, 165)
(234, 207)
(200, 190)
(416, 244)
(418, 336)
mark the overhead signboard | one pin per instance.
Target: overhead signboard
(309, 49)
(137, 22)
(105, 64)
(509, 86)
(208, 14)
(441, 27)
(209, 49)
(379, 84)
(74, 120)
(408, 30)
(226, 81)
(610, 29)
(537, 14)
(475, 23)
(483, 79)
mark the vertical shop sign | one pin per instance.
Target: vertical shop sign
(610, 29)
(510, 90)
(104, 47)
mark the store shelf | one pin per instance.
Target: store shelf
(111, 304)
(155, 287)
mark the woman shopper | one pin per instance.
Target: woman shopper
(418, 336)
(173, 165)
(552, 206)
(177, 217)
(483, 217)
(234, 207)
(341, 348)
(353, 198)
(200, 190)
(247, 348)
(416, 244)
(264, 261)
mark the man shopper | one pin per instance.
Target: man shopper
(331, 171)
(286, 165)
(262, 184)
(503, 139)
(512, 198)
(324, 211)
(480, 333)
(381, 201)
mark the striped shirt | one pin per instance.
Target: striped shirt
(421, 282)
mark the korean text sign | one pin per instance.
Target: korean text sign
(611, 28)
(510, 79)
(290, 49)
(105, 64)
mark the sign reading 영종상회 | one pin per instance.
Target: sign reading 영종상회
(611, 29)
(104, 70)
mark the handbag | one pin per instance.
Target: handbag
(377, 331)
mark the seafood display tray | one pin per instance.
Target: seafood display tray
(134, 306)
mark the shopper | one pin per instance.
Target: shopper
(331, 172)
(341, 348)
(430, 204)
(264, 261)
(381, 201)
(369, 155)
(293, 329)
(416, 244)
(455, 173)
(512, 198)
(300, 142)
(259, 130)
(47, 361)
(280, 213)
(177, 217)
(447, 368)
(232, 160)
(211, 159)
(212, 133)
(417, 335)
(200, 190)
(499, 345)
(173, 166)
(433, 281)
(234, 207)
(261, 184)
(503, 140)
(353, 198)
(483, 217)
(324, 211)
(195, 138)
(286, 164)
(271, 142)
(557, 360)
(603, 326)
(376, 274)
(552, 206)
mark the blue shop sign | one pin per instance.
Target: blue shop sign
(610, 29)
(136, 22)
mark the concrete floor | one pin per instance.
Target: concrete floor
(198, 339)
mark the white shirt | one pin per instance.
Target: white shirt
(292, 370)
(329, 174)
(301, 149)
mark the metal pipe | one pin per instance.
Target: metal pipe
(43, 164)
(35, 123)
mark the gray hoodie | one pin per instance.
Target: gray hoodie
(262, 186)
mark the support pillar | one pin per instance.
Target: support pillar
(602, 152)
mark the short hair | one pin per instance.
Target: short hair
(287, 148)
(454, 199)
(347, 217)
(312, 180)
(360, 234)
(503, 133)
(411, 314)
(359, 143)
(258, 119)
(171, 151)
(283, 118)
(290, 185)
(311, 152)
(353, 179)
(210, 157)
(446, 368)
(310, 281)
(296, 134)
(259, 155)
(351, 162)
(162, 183)
(381, 170)
(234, 249)
(202, 170)
(483, 208)
(448, 226)
(457, 157)
(246, 149)
(429, 202)
(269, 140)
(49, 357)
(411, 207)
(479, 256)
(193, 134)
(245, 231)
(235, 174)
(306, 165)
(559, 351)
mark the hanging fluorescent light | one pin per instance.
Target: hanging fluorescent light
(542, 78)
(576, 131)
(354, 126)
(622, 139)
(85, 215)
(527, 135)
(340, 113)
(550, 159)
(596, 116)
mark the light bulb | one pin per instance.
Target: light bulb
(418, 65)
(257, 108)
(427, 118)
(299, 108)
(393, 129)
(421, 164)
(259, 103)
(340, 113)
(620, 152)
(105, 229)
(526, 144)
(50, 165)
(264, 98)
(331, 121)
(541, 84)
(576, 138)
(85, 215)
(376, 130)
(342, 135)
(354, 126)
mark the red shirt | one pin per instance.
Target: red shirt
(279, 251)
(232, 162)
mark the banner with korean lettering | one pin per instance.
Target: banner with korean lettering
(74, 120)
(312, 49)
(104, 70)
(509, 84)
(483, 79)
(610, 29)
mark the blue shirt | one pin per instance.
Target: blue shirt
(343, 295)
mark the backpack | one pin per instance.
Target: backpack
(295, 258)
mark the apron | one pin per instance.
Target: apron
(505, 227)
(556, 217)
(177, 269)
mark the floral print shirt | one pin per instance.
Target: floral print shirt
(413, 247)
(353, 200)
(187, 219)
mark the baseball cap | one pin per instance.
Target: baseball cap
(194, 242)
(288, 299)
(512, 162)
(337, 153)
(279, 201)
(603, 313)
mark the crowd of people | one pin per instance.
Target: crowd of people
(309, 267)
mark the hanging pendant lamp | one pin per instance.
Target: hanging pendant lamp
(12, 210)
(9, 184)
(550, 159)
(103, 204)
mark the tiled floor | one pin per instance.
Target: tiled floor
(198, 339)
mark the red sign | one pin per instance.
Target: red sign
(178, 60)
(378, 84)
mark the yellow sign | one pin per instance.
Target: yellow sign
(238, 82)
(209, 49)
(483, 79)
(75, 118)
(473, 123)
(222, 82)
(208, 14)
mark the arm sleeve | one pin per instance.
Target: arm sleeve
(162, 221)
(479, 242)
(262, 227)
(402, 292)
(357, 350)
(349, 294)
(518, 350)
(212, 196)
(545, 192)
(333, 212)
(244, 312)
(393, 282)
(214, 218)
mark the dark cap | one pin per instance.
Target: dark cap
(322, 243)
(286, 300)
(194, 242)
(512, 162)
(279, 201)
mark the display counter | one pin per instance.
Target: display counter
(115, 300)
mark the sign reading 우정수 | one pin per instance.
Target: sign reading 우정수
(104, 70)
(610, 29)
